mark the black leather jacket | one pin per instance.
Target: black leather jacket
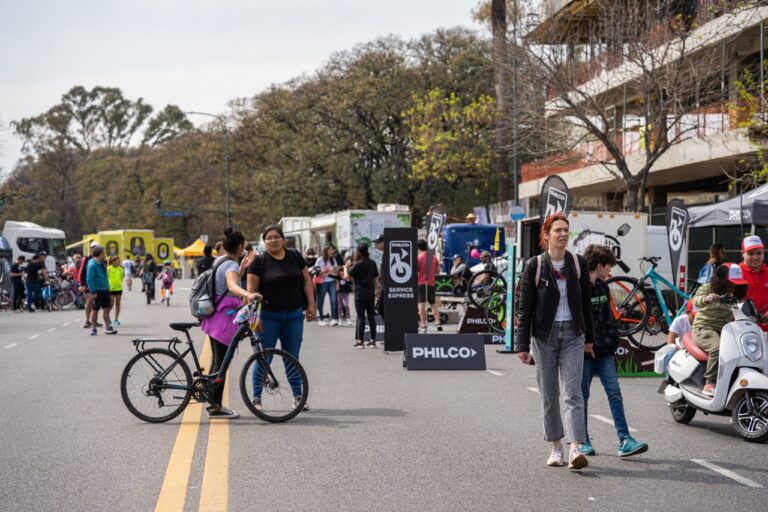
(538, 305)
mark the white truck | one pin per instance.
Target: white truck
(27, 239)
(346, 229)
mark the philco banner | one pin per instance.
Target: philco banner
(400, 272)
(445, 352)
(436, 221)
(677, 227)
(555, 197)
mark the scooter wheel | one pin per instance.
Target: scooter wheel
(682, 412)
(752, 426)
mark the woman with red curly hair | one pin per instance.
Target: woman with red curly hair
(555, 322)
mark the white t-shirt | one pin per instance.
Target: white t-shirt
(563, 313)
(680, 326)
(128, 267)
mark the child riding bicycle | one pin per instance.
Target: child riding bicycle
(166, 276)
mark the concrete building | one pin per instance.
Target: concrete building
(709, 140)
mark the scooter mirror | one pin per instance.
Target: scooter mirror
(749, 309)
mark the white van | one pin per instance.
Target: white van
(28, 238)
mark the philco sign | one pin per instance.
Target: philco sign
(445, 352)
(399, 276)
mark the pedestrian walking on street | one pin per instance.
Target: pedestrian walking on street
(366, 278)
(128, 270)
(555, 323)
(282, 277)
(17, 280)
(599, 355)
(83, 284)
(343, 289)
(36, 273)
(327, 270)
(228, 297)
(148, 274)
(98, 283)
(115, 275)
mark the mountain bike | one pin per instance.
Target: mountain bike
(643, 316)
(157, 385)
(483, 285)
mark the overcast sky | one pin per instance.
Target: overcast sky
(197, 54)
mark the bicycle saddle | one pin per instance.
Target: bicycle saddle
(183, 326)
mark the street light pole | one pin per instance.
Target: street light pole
(226, 159)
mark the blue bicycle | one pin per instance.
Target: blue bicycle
(642, 311)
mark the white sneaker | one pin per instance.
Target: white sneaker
(348, 322)
(577, 460)
(334, 323)
(556, 457)
(322, 323)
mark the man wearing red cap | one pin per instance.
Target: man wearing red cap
(755, 272)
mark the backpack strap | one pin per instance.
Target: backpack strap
(576, 264)
(214, 268)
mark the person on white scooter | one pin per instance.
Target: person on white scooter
(713, 316)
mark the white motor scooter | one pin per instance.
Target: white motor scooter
(742, 379)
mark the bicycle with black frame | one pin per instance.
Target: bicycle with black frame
(157, 384)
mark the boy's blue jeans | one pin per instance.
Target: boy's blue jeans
(288, 326)
(605, 368)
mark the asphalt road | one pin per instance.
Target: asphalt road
(378, 437)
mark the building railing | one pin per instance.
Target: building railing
(698, 124)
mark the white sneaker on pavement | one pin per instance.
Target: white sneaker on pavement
(334, 323)
(322, 323)
(556, 457)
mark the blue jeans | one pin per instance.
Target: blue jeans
(288, 326)
(330, 289)
(605, 368)
(33, 294)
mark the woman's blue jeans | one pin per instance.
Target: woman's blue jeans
(329, 288)
(288, 327)
(605, 368)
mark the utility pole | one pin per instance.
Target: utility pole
(226, 160)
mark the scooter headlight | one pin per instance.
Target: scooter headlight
(751, 345)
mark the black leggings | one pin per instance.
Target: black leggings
(218, 350)
(365, 307)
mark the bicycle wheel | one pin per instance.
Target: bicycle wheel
(653, 336)
(144, 389)
(278, 380)
(495, 313)
(630, 309)
(65, 300)
(483, 285)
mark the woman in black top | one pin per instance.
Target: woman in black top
(281, 276)
(366, 278)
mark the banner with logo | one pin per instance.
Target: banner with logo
(555, 197)
(400, 273)
(677, 227)
(445, 352)
(435, 223)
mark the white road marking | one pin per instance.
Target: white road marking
(66, 324)
(34, 336)
(609, 421)
(534, 390)
(494, 372)
(11, 345)
(51, 329)
(727, 473)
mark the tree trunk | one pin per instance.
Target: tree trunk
(501, 78)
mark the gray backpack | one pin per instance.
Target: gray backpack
(201, 299)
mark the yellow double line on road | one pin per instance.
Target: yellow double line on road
(214, 491)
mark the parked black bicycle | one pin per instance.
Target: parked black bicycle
(157, 384)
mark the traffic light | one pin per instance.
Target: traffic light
(157, 205)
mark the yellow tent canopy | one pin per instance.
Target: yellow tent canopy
(193, 251)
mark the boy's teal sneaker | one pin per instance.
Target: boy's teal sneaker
(586, 448)
(629, 446)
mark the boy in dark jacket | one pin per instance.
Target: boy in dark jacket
(598, 356)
